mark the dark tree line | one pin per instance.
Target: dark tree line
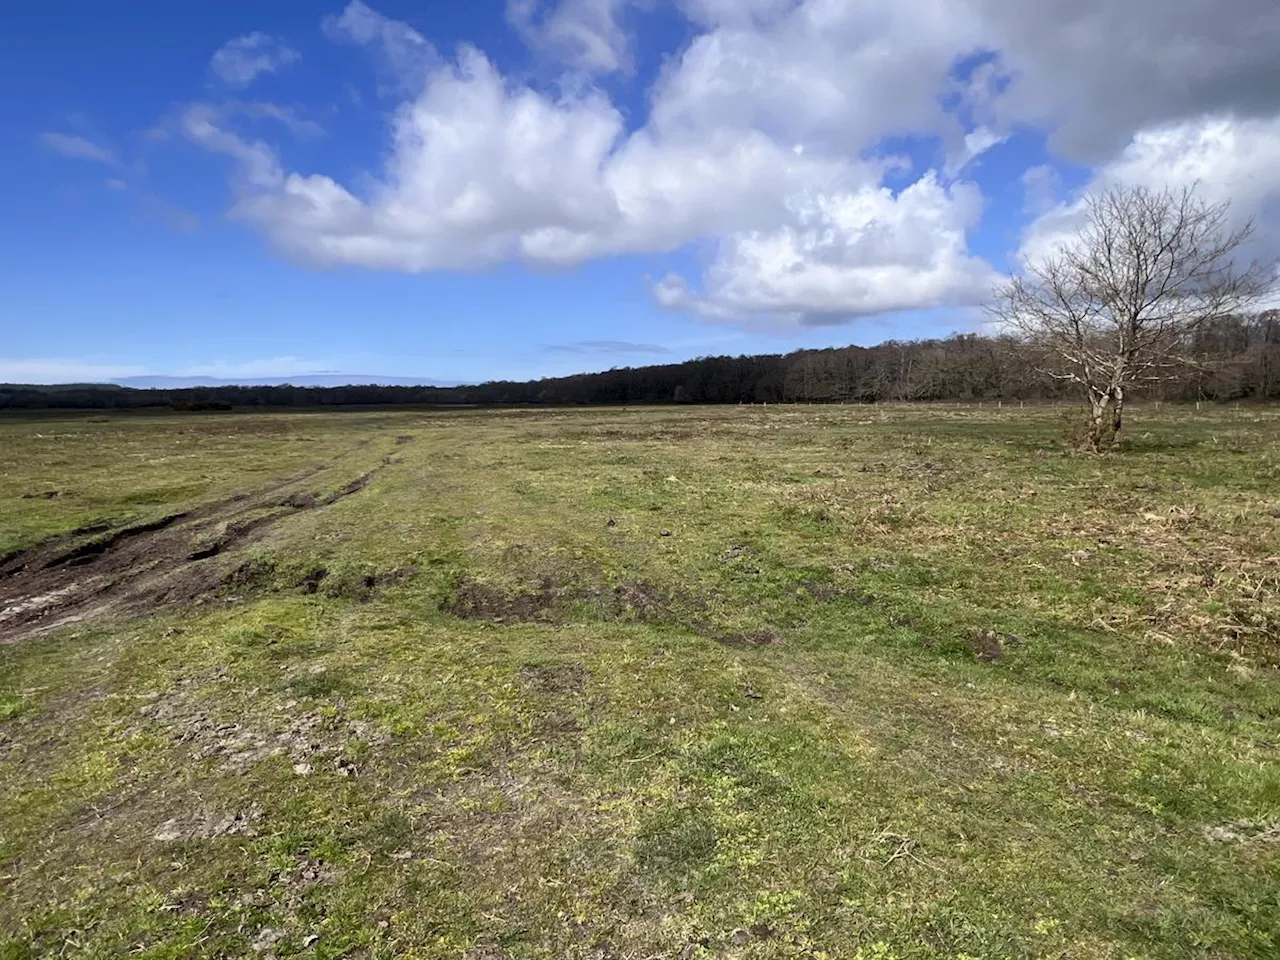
(1231, 358)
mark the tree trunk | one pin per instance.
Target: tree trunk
(1097, 416)
(1105, 408)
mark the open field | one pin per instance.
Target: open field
(667, 683)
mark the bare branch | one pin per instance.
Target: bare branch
(1123, 299)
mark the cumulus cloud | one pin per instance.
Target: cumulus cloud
(404, 55)
(586, 35)
(238, 62)
(756, 141)
(79, 148)
(1227, 159)
(483, 170)
(1092, 72)
(845, 255)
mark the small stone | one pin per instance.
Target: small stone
(302, 769)
(740, 937)
(665, 533)
(266, 939)
(309, 939)
(168, 832)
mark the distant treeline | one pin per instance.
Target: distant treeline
(1235, 358)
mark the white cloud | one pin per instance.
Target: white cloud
(404, 55)
(715, 13)
(482, 170)
(584, 34)
(287, 117)
(115, 183)
(267, 367)
(826, 74)
(239, 62)
(846, 255)
(79, 148)
(256, 161)
(975, 143)
(84, 370)
(62, 370)
(1227, 159)
(755, 141)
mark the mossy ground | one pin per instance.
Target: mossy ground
(684, 682)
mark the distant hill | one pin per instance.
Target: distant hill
(309, 380)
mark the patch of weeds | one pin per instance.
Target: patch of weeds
(357, 585)
(807, 515)
(318, 684)
(269, 575)
(675, 842)
(11, 705)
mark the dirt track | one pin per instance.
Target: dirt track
(101, 568)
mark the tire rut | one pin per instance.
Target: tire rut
(166, 560)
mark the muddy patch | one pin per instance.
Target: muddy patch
(824, 591)
(552, 600)
(765, 637)
(362, 587)
(553, 678)
(989, 646)
(311, 580)
(355, 486)
(473, 600)
(102, 568)
(45, 495)
(636, 600)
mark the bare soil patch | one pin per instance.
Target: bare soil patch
(552, 600)
(166, 560)
(554, 678)
(753, 638)
(989, 645)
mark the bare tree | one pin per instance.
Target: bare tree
(1117, 304)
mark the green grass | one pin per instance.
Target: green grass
(688, 682)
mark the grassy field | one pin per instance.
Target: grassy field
(843, 682)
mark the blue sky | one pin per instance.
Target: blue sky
(508, 188)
